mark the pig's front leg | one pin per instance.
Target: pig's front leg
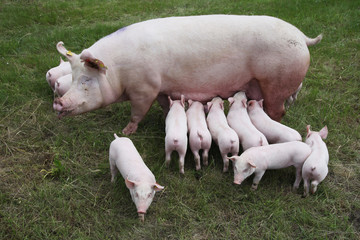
(256, 180)
(139, 107)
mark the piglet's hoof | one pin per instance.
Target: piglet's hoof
(254, 186)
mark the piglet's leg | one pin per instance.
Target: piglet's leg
(256, 180)
(298, 178)
(306, 187)
(205, 156)
(226, 162)
(197, 160)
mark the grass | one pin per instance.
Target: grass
(55, 178)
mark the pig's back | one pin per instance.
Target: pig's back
(129, 161)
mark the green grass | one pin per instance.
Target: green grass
(55, 177)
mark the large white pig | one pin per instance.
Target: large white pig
(274, 132)
(275, 156)
(198, 56)
(141, 182)
(239, 120)
(199, 134)
(224, 136)
(176, 132)
(315, 167)
(55, 73)
(63, 84)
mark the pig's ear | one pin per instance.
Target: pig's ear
(261, 103)
(231, 101)
(182, 100)
(93, 62)
(323, 132)
(209, 105)
(251, 163)
(130, 184)
(157, 187)
(63, 51)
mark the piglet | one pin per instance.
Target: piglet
(63, 84)
(239, 120)
(315, 167)
(275, 132)
(225, 137)
(139, 179)
(275, 156)
(176, 132)
(54, 73)
(199, 135)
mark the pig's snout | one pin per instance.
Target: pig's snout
(58, 105)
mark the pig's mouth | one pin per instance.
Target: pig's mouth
(64, 113)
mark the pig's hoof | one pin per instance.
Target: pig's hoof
(130, 128)
(254, 187)
(141, 217)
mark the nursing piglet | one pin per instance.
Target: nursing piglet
(225, 137)
(63, 84)
(176, 132)
(199, 135)
(54, 73)
(258, 159)
(239, 120)
(275, 132)
(141, 182)
(315, 167)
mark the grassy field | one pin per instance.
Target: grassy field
(54, 174)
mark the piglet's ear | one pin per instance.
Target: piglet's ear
(92, 62)
(130, 184)
(63, 51)
(170, 101)
(182, 100)
(158, 187)
(209, 105)
(261, 103)
(190, 102)
(231, 100)
(232, 158)
(244, 102)
(251, 163)
(308, 131)
(323, 132)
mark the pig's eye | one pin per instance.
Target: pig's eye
(85, 79)
(136, 195)
(149, 195)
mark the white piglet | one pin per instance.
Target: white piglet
(239, 120)
(176, 132)
(315, 167)
(258, 159)
(55, 73)
(199, 135)
(141, 182)
(224, 136)
(274, 131)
